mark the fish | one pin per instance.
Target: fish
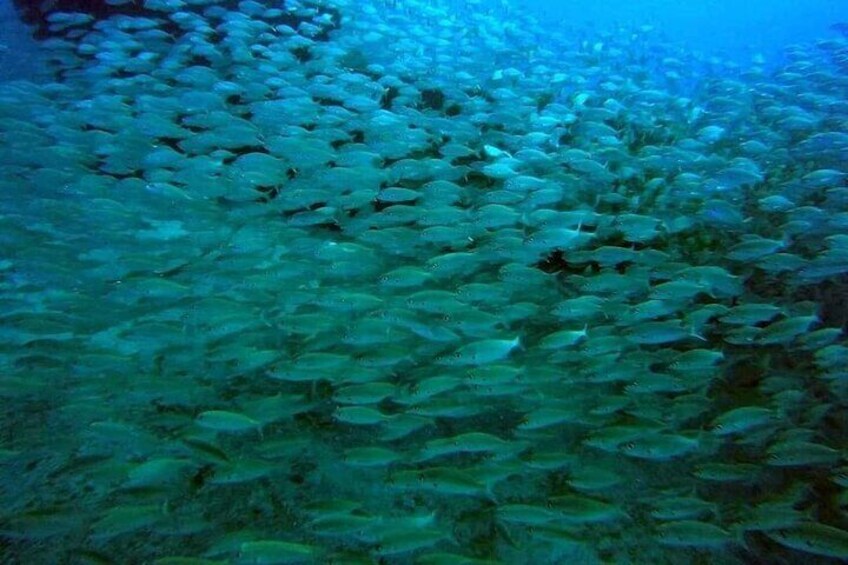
(750, 314)
(482, 352)
(226, 421)
(575, 509)
(594, 478)
(273, 551)
(525, 514)
(660, 447)
(813, 538)
(366, 393)
(422, 390)
(696, 361)
(124, 519)
(547, 416)
(241, 472)
(742, 419)
(728, 472)
(405, 277)
(356, 526)
(610, 438)
(650, 383)
(798, 453)
(158, 472)
(677, 508)
(563, 338)
(678, 290)
(471, 442)
(361, 415)
(649, 310)
(658, 333)
(440, 480)
(371, 457)
(773, 516)
(754, 248)
(396, 540)
(581, 309)
(693, 533)
(785, 331)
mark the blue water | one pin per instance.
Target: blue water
(732, 28)
(19, 53)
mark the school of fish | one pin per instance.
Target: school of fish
(431, 282)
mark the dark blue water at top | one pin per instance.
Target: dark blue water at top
(729, 28)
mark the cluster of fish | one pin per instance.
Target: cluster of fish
(425, 282)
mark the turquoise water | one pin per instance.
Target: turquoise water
(738, 31)
(421, 282)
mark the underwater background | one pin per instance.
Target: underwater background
(733, 30)
(429, 282)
